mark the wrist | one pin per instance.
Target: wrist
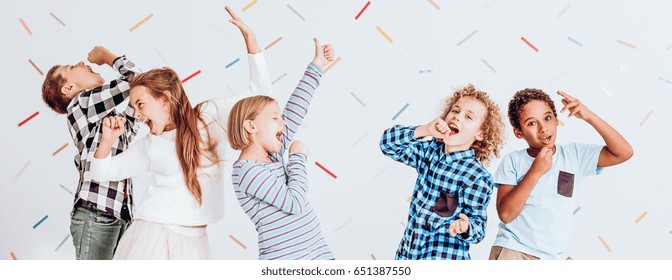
(420, 131)
(110, 58)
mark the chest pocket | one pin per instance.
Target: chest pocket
(445, 205)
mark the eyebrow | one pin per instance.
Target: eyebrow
(136, 103)
(549, 112)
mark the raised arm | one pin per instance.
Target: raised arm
(260, 80)
(98, 102)
(617, 149)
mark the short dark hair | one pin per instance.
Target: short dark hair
(51, 91)
(523, 97)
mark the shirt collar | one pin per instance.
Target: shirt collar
(456, 156)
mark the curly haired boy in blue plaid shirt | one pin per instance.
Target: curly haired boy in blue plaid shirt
(448, 208)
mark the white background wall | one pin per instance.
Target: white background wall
(614, 55)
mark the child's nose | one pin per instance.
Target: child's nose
(81, 63)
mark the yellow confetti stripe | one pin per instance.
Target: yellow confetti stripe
(645, 118)
(273, 43)
(249, 5)
(604, 243)
(331, 64)
(35, 66)
(434, 4)
(409, 198)
(25, 26)
(640, 217)
(561, 123)
(384, 34)
(142, 22)
(59, 149)
(238, 241)
(626, 44)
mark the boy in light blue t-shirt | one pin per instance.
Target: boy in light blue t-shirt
(536, 200)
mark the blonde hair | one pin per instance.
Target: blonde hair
(245, 109)
(492, 126)
(189, 144)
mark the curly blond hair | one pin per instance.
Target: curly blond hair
(492, 126)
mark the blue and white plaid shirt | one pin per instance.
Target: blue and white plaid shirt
(448, 184)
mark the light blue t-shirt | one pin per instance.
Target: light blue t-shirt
(543, 227)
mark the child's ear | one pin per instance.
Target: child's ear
(166, 96)
(479, 136)
(518, 133)
(248, 125)
(69, 89)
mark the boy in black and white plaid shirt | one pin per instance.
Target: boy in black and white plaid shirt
(101, 210)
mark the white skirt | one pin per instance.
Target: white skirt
(145, 240)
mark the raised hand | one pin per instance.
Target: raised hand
(459, 226)
(113, 127)
(101, 55)
(298, 147)
(323, 54)
(248, 34)
(575, 107)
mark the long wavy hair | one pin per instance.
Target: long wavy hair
(190, 146)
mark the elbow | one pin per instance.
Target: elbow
(505, 216)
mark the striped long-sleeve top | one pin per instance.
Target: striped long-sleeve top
(274, 197)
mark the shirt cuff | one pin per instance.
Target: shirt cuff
(98, 168)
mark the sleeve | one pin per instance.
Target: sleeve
(506, 172)
(260, 80)
(288, 196)
(128, 163)
(297, 105)
(587, 156)
(98, 102)
(398, 144)
(475, 199)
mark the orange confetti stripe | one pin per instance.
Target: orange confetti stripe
(640, 217)
(373, 257)
(561, 123)
(384, 34)
(645, 118)
(434, 4)
(273, 43)
(141, 22)
(238, 241)
(604, 243)
(249, 5)
(25, 26)
(626, 44)
(326, 69)
(59, 149)
(409, 198)
(13, 256)
(35, 66)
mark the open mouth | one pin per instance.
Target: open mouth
(279, 136)
(545, 140)
(453, 129)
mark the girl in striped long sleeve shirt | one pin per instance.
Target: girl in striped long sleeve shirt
(272, 195)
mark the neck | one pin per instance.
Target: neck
(457, 148)
(254, 152)
(533, 152)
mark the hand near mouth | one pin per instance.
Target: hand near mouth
(437, 128)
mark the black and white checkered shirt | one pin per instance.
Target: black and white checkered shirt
(85, 115)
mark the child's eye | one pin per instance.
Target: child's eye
(531, 123)
(455, 111)
(469, 117)
(548, 118)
